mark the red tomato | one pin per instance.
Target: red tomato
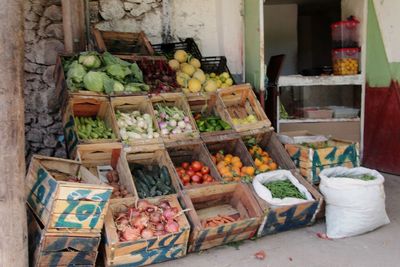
(178, 169)
(185, 165)
(208, 178)
(181, 172)
(186, 179)
(205, 170)
(199, 174)
(196, 179)
(196, 165)
(190, 173)
(190, 169)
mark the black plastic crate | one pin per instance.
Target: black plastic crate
(217, 65)
(168, 50)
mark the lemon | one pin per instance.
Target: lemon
(181, 56)
(224, 85)
(225, 75)
(188, 69)
(222, 79)
(219, 83)
(229, 81)
(174, 64)
(195, 63)
(194, 85)
(182, 78)
(186, 91)
(199, 75)
(210, 86)
(213, 75)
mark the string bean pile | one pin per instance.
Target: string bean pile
(364, 177)
(283, 189)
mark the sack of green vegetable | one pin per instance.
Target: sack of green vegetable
(280, 188)
(355, 201)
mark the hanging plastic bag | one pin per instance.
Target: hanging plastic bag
(355, 201)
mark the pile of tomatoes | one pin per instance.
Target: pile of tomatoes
(194, 173)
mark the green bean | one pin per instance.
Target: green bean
(283, 189)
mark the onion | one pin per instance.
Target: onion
(159, 233)
(132, 212)
(147, 233)
(164, 204)
(123, 221)
(144, 204)
(172, 226)
(169, 214)
(186, 119)
(130, 234)
(159, 227)
(155, 217)
(140, 222)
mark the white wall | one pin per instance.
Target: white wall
(216, 25)
(280, 28)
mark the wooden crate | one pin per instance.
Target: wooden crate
(224, 199)
(177, 100)
(86, 107)
(66, 207)
(160, 158)
(142, 104)
(269, 142)
(230, 144)
(191, 152)
(335, 152)
(144, 252)
(122, 43)
(283, 218)
(208, 104)
(54, 249)
(240, 101)
(92, 156)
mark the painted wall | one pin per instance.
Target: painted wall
(280, 26)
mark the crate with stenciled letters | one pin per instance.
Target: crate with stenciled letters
(61, 204)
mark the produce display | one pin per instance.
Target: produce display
(283, 189)
(192, 78)
(210, 123)
(103, 73)
(159, 75)
(172, 120)
(246, 120)
(119, 191)
(218, 220)
(151, 181)
(364, 177)
(194, 173)
(262, 160)
(89, 128)
(134, 125)
(145, 221)
(231, 168)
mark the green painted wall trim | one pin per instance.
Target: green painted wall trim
(379, 71)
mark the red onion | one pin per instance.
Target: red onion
(155, 217)
(172, 226)
(130, 234)
(164, 204)
(147, 233)
(140, 222)
(123, 221)
(159, 233)
(159, 227)
(144, 204)
(132, 212)
(169, 214)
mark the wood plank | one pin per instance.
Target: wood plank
(67, 258)
(214, 211)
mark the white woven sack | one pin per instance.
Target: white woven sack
(279, 175)
(353, 206)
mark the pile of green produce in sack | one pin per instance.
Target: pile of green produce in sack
(363, 177)
(210, 123)
(284, 189)
(103, 73)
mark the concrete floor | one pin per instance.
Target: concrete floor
(302, 248)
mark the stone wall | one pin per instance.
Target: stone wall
(43, 41)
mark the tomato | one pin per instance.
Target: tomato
(205, 170)
(190, 169)
(196, 179)
(181, 172)
(190, 173)
(199, 174)
(186, 178)
(196, 165)
(185, 165)
(208, 178)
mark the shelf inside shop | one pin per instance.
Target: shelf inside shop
(299, 80)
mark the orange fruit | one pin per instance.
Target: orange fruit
(273, 166)
(235, 159)
(237, 164)
(220, 165)
(258, 162)
(237, 179)
(250, 171)
(263, 168)
(228, 179)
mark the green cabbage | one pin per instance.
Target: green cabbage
(76, 72)
(90, 60)
(116, 71)
(137, 87)
(93, 81)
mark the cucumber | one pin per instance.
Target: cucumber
(156, 171)
(149, 178)
(163, 188)
(142, 177)
(159, 193)
(153, 191)
(164, 176)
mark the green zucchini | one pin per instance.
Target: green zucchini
(164, 176)
(149, 178)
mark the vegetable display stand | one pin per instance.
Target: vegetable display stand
(288, 217)
(122, 43)
(195, 152)
(96, 120)
(54, 249)
(269, 142)
(231, 145)
(175, 100)
(245, 112)
(168, 49)
(147, 183)
(62, 204)
(135, 141)
(312, 158)
(211, 113)
(145, 251)
(220, 214)
(108, 163)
